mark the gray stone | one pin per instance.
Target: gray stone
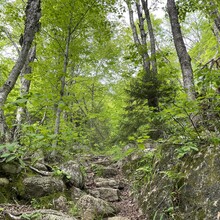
(91, 208)
(102, 182)
(108, 172)
(108, 194)
(76, 175)
(49, 214)
(76, 193)
(118, 218)
(61, 204)
(40, 166)
(38, 186)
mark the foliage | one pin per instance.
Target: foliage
(12, 152)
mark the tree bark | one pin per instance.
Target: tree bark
(33, 14)
(62, 89)
(148, 78)
(184, 58)
(152, 37)
(24, 90)
(144, 53)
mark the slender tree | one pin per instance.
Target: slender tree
(149, 63)
(184, 58)
(152, 37)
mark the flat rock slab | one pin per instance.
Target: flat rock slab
(38, 186)
(103, 182)
(107, 194)
(118, 218)
(91, 208)
(41, 214)
(108, 172)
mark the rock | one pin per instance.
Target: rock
(4, 182)
(61, 204)
(11, 168)
(108, 194)
(118, 218)
(38, 186)
(106, 172)
(76, 193)
(91, 208)
(76, 175)
(102, 182)
(192, 183)
(103, 161)
(41, 214)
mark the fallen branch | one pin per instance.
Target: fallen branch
(41, 172)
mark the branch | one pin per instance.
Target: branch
(12, 41)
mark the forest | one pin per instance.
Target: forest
(134, 84)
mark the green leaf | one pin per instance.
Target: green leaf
(10, 158)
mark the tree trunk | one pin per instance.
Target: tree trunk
(143, 48)
(62, 90)
(184, 58)
(33, 14)
(152, 37)
(148, 78)
(24, 90)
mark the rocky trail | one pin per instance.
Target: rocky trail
(93, 191)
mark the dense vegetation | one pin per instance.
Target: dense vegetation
(91, 82)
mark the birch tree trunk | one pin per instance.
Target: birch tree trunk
(184, 58)
(33, 14)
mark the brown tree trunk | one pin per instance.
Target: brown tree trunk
(33, 14)
(184, 58)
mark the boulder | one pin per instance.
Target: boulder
(73, 170)
(107, 194)
(188, 187)
(38, 186)
(92, 208)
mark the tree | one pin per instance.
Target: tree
(184, 58)
(149, 79)
(33, 14)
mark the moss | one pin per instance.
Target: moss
(45, 202)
